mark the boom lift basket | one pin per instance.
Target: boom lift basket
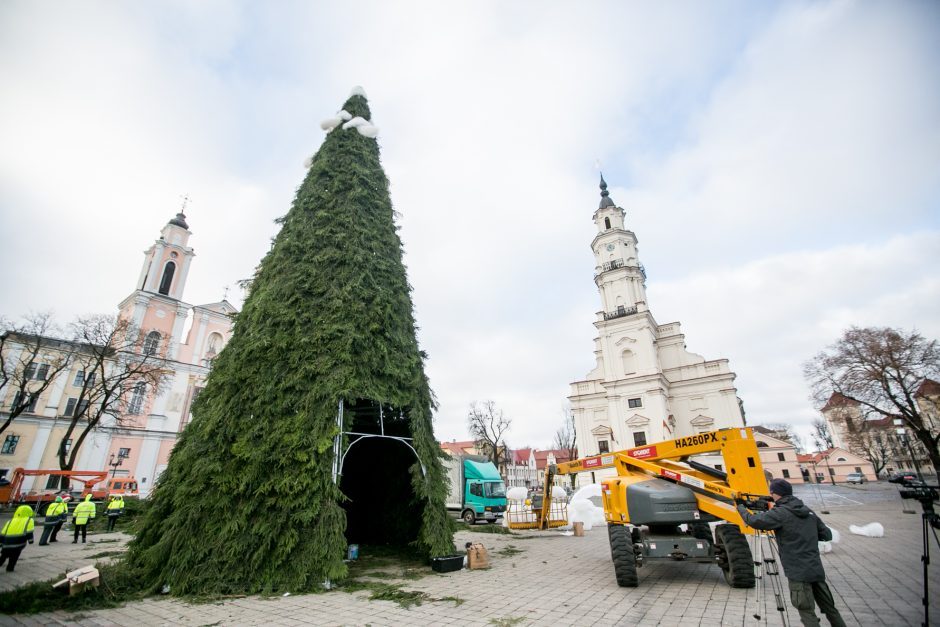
(525, 515)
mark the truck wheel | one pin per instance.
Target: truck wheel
(701, 531)
(469, 517)
(621, 549)
(734, 556)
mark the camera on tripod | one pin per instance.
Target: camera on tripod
(756, 502)
(921, 493)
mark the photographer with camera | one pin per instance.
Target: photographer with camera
(798, 531)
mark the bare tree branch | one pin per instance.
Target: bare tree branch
(121, 372)
(487, 424)
(30, 360)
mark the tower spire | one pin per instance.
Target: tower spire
(605, 195)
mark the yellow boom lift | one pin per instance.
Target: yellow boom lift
(658, 487)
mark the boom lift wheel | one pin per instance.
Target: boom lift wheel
(621, 549)
(734, 556)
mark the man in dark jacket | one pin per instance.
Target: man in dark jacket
(798, 531)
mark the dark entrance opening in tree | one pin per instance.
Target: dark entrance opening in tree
(382, 508)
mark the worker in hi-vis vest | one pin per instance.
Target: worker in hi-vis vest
(15, 534)
(115, 509)
(55, 514)
(83, 514)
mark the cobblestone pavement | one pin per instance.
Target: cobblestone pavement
(545, 578)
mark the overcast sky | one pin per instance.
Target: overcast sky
(779, 164)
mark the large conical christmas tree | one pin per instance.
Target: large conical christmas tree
(248, 501)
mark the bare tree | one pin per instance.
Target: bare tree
(882, 370)
(120, 371)
(487, 424)
(822, 437)
(30, 360)
(566, 438)
(874, 445)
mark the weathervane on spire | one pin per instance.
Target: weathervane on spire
(225, 292)
(185, 204)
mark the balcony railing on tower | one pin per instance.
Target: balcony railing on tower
(619, 263)
(619, 312)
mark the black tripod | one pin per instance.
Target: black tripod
(930, 522)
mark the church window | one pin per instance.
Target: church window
(152, 343)
(629, 362)
(634, 402)
(639, 438)
(606, 223)
(841, 459)
(9, 444)
(602, 446)
(137, 398)
(213, 345)
(31, 405)
(167, 280)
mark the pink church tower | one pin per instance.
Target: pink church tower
(156, 307)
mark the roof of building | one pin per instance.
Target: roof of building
(521, 455)
(560, 455)
(466, 447)
(605, 195)
(838, 400)
(180, 220)
(929, 387)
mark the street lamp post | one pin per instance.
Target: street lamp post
(114, 463)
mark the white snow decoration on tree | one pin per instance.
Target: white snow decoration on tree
(357, 91)
(344, 114)
(330, 123)
(308, 162)
(517, 494)
(586, 492)
(582, 511)
(872, 530)
(368, 130)
(355, 122)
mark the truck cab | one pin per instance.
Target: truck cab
(476, 490)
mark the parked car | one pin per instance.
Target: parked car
(855, 477)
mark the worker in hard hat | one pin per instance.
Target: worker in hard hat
(115, 509)
(55, 514)
(65, 516)
(15, 534)
(84, 513)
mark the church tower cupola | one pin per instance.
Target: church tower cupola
(618, 274)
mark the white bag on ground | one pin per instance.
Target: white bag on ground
(872, 530)
(826, 547)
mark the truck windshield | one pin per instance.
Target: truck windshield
(495, 489)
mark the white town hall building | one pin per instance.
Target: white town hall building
(646, 387)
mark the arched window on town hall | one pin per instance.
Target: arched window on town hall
(152, 343)
(629, 361)
(167, 279)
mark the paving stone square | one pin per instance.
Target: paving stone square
(555, 579)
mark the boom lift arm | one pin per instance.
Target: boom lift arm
(715, 490)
